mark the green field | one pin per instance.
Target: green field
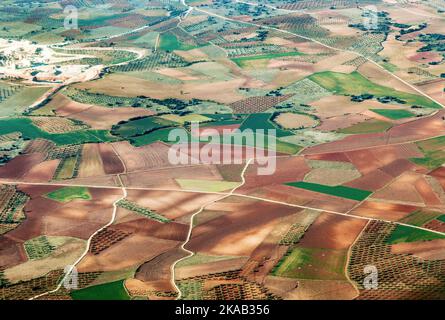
(68, 194)
(140, 126)
(337, 191)
(169, 42)
(30, 131)
(406, 234)
(257, 121)
(157, 135)
(242, 61)
(162, 135)
(370, 126)
(441, 218)
(312, 263)
(394, 114)
(434, 153)
(356, 84)
(19, 102)
(108, 291)
(187, 118)
(420, 217)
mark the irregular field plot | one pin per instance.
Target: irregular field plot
(407, 234)
(69, 194)
(394, 114)
(355, 84)
(370, 126)
(338, 191)
(108, 291)
(313, 263)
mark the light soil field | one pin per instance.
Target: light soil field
(332, 176)
(304, 289)
(250, 226)
(427, 250)
(170, 204)
(294, 120)
(401, 190)
(206, 185)
(65, 254)
(192, 55)
(97, 117)
(91, 164)
(381, 210)
(434, 89)
(377, 75)
(124, 86)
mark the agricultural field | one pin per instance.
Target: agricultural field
(222, 150)
(68, 194)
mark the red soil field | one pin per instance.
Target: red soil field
(386, 211)
(11, 252)
(43, 172)
(402, 189)
(333, 232)
(397, 167)
(151, 156)
(427, 250)
(424, 128)
(426, 192)
(371, 181)
(131, 252)
(167, 231)
(165, 178)
(246, 224)
(288, 169)
(97, 117)
(20, 165)
(78, 218)
(426, 57)
(170, 204)
(364, 160)
(336, 156)
(111, 162)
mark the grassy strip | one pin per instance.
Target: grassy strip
(337, 191)
(241, 61)
(371, 126)
(420, 217)
(403, 234)
(141, 210)
(394, 114)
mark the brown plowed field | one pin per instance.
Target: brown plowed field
(332, 231)
(111, 162)
(19, 166)
(380, 210)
